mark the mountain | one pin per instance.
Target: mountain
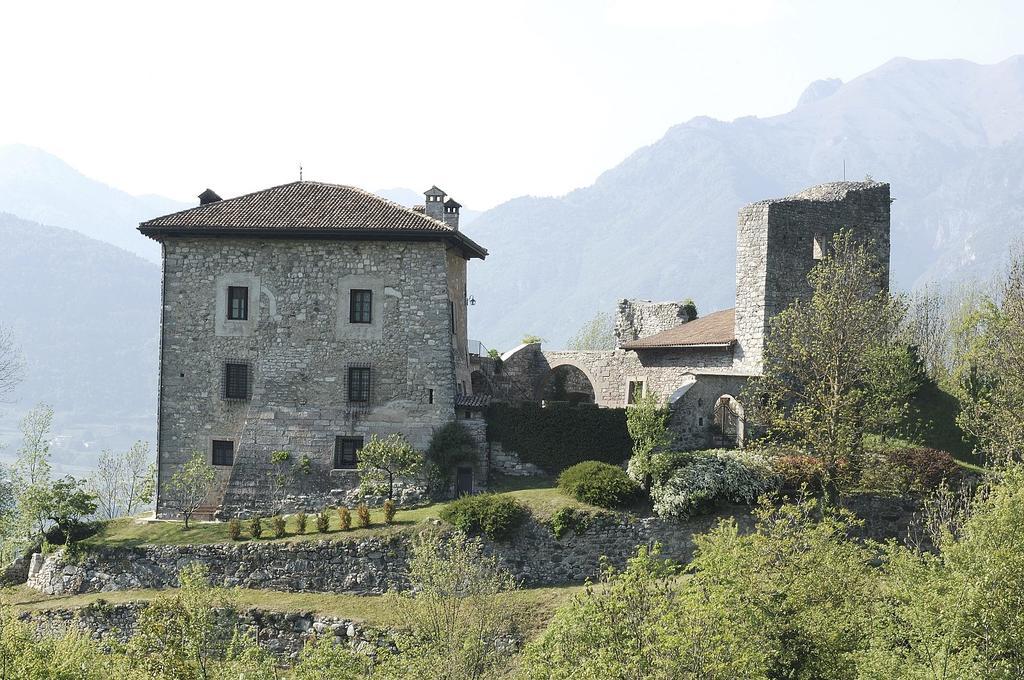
(86, 316)
(40, 187)
(947, 135)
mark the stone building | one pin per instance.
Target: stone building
(305, 318)
(700, 365)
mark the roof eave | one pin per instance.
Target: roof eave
(470, 247)
(689, 345)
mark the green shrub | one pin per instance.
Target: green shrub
(599, 484)
(451, 445)
(234, 529)
(363, 515)
(256, 527)
(389, 511)
(712, 477)
(344, 518)
(564, 519)
(555, 438)
(663, 464)
(908, 469)
(323, 521)
(495, 516)
(300, 522)
(277, 525)
(797, 470)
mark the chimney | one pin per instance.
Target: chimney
(208, 196)
(451, 213)
(435, 203)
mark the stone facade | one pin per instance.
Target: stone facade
(779, 241)
(635, 319)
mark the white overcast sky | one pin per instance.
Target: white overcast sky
(489, 100)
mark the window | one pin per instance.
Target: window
(223, 452)
(236, 381)
(238, 303)
(451, 313)
(346, 452)
(816, 249)
(359, 384)
(430, 396)
(360, 307)
(636, 390)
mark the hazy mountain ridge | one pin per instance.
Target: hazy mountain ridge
(661, 224)
(40, 187)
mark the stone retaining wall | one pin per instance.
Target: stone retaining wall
(377, 564)
(280, 633)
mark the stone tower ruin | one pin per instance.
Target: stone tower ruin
(778, 241)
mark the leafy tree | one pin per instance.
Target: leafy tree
(459, 609)
(124, 481)
(68, 503)
(647, 422)
(382, 460)
(189, 486)
(182, 634)
(31, 472)
(11, 364)
(836, 365)
(596, 334)
(990, 370)
(451, 445)
(323, 658)
(530, 339)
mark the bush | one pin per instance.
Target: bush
(344, 518)
(599, 484)
(389, 511)
(234, 529)
(323, 521)
(564, 519)
(555, 438)
(451, 445)
(797, 469)
(712, 477)
(277, 525)
(908, 469)
(489, 514)
(663, 464)
(300, 521)
(363, 515)
(256, 527)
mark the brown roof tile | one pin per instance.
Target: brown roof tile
(308, 209)
(717, 328)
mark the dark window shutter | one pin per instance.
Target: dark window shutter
(237, 382)
(223, 452)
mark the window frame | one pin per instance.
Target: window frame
(340, 462)
(244, 303)
(363, 383)
(228, 392)
(360, 305)
(214, 453)
(631, 390)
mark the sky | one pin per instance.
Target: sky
(487, 100)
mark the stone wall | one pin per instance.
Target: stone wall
(777, 242)
(635, 319)
(377, 564)
(280, 633)
(299, 345)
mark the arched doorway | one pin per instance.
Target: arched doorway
(567, 383)
(727, 423)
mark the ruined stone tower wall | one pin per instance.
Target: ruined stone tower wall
(635, 319)
(779, 241)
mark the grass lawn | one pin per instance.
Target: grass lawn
(538, 604)
(539, 495)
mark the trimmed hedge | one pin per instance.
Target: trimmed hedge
(557, 437)
(489, 514)
(600, 484)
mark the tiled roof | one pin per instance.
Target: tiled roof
(715, 329)
(308, 209)
(472, 401)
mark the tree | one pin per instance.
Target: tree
(458, 612)
(382, 460)
(11, 364)
(531, 339)
(123, 481)
(68, 503)
(836, 365)
(451, 445)
(31, 473)
(596, 334)
(990, 370)
(647, 422)
(189, 486)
